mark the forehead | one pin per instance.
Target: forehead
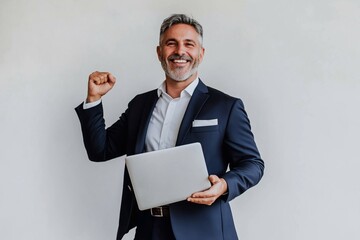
(180, 32)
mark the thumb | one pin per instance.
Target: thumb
(112, 79)
(213, 179)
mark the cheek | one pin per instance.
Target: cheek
(200, 57)
(196, 55)
(161, 54)
(164, 56)
(161, 57)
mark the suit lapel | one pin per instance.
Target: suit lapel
(148, 108)
(197, 101)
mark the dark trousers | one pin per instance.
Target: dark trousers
(153, 228)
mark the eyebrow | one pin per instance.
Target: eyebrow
(190, 40)
(174, 40)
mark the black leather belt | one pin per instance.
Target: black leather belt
(160, 211)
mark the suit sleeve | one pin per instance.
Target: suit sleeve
(102, 144)
(245, 163)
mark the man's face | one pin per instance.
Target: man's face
(180, 52)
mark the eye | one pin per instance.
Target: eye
(170, 43)
(190, 44)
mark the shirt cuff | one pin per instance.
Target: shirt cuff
(92, 104)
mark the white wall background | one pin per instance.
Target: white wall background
(294, 63)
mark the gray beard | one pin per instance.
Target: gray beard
(180, 78)
(177, 76)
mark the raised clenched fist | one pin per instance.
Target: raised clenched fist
(99, 84)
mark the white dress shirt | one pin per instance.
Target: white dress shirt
(166, 118)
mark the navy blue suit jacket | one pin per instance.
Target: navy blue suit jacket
(228, 144)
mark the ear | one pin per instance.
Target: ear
(158, 51)
(201, 54)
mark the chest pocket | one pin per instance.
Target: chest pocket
(209, 125)
(205, 129)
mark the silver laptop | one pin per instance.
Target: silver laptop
(167, 176)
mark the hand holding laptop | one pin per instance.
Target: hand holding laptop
(209, 196)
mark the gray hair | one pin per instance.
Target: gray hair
(178, 19)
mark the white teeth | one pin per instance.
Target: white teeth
(180, 61)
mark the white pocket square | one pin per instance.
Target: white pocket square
(205, 123)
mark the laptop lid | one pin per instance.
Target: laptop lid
(167, 176)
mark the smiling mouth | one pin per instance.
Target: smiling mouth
(180, 61)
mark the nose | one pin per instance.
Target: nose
(180, 49)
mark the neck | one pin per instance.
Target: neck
(174, 88)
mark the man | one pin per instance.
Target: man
(164, 118)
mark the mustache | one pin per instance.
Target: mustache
(179, 57)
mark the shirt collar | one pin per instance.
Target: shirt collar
(189, 89)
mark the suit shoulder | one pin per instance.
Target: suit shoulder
(217, 94)
(143, 97)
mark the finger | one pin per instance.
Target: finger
(103, 78)
(211, 192)
(93, 74)
(219, 182)
(205, 201)
(100, 75)
(95, 77)
(112, 79)
(214, 179)
(96, 80)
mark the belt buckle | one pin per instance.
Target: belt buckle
(157, 215)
